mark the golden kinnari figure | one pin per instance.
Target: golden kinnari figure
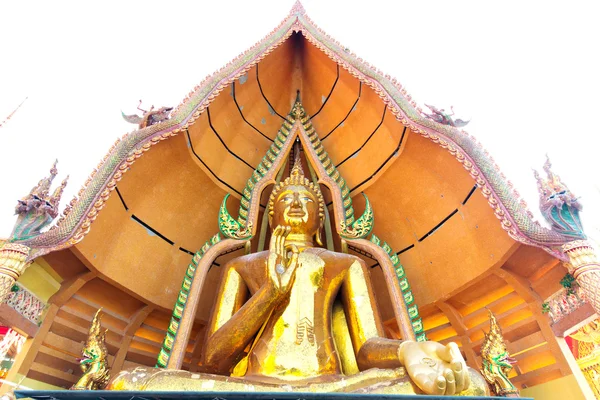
(302, 318)
(496, 360)
(93, 363)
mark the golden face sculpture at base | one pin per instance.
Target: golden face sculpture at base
(302, 318)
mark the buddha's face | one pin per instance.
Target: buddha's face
(298, 208)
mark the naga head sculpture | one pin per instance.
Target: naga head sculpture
(496, 360)
(558, 204)
(93, 363)
(95, 348)
(39, 208)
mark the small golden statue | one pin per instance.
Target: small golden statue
(497, 363)
(303, 318)
(93, 364)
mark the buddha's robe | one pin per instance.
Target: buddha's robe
(296, 348)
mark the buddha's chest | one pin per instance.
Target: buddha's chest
(313, 289)
(314, 275)
(310, 273)
(296, 341)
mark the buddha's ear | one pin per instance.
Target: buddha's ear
(318, 237)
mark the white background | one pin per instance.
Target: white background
(527, 74)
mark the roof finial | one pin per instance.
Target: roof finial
(558, 205)
(298, 110)
(297, 168)
(39, 208)
(297, 9)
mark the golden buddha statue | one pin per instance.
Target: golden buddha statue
(302, 318)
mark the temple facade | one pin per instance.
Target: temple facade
(443, 233)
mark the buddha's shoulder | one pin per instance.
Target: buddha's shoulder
(334, 256)
(249, 259)
(327, 256)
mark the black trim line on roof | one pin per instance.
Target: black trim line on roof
(157, 233)
(349, 112)
(226, 148)
(405, 249)
(210, 170)
(206, 166)
(186, 251)
(361, 252)
(435, 228)
(213, 264)
(243, 117)
(330, 92)
(222, 254)
(364, 253)
(366, 141)
(469, 195)
(265, 97)
(441, 223)
(121, 198)
(384, 163)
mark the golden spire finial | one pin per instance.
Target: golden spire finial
(297, 170)
(298, 111)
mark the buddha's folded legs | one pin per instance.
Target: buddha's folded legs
(388, 381)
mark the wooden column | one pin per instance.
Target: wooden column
(457, 323)
(38, 340)
(58, 299)
(137, 320)
(13, 374)
(197, 351)
(523, 288)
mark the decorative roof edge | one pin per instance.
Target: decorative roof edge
(512, 211)
(76, 219)
(515, 218)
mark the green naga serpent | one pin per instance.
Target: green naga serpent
(93, 363)
(497, 363)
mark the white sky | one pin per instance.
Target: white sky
(526, 73)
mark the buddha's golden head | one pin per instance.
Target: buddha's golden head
(298, 203)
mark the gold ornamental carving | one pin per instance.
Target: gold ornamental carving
(496, 361)
(94, 362)
(588, 354)
(13, 261)
(583, 264)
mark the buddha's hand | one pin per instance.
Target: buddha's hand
(282, 262)
(434, 368)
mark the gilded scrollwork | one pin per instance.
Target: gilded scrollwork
(362, 226)
(231, 228)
